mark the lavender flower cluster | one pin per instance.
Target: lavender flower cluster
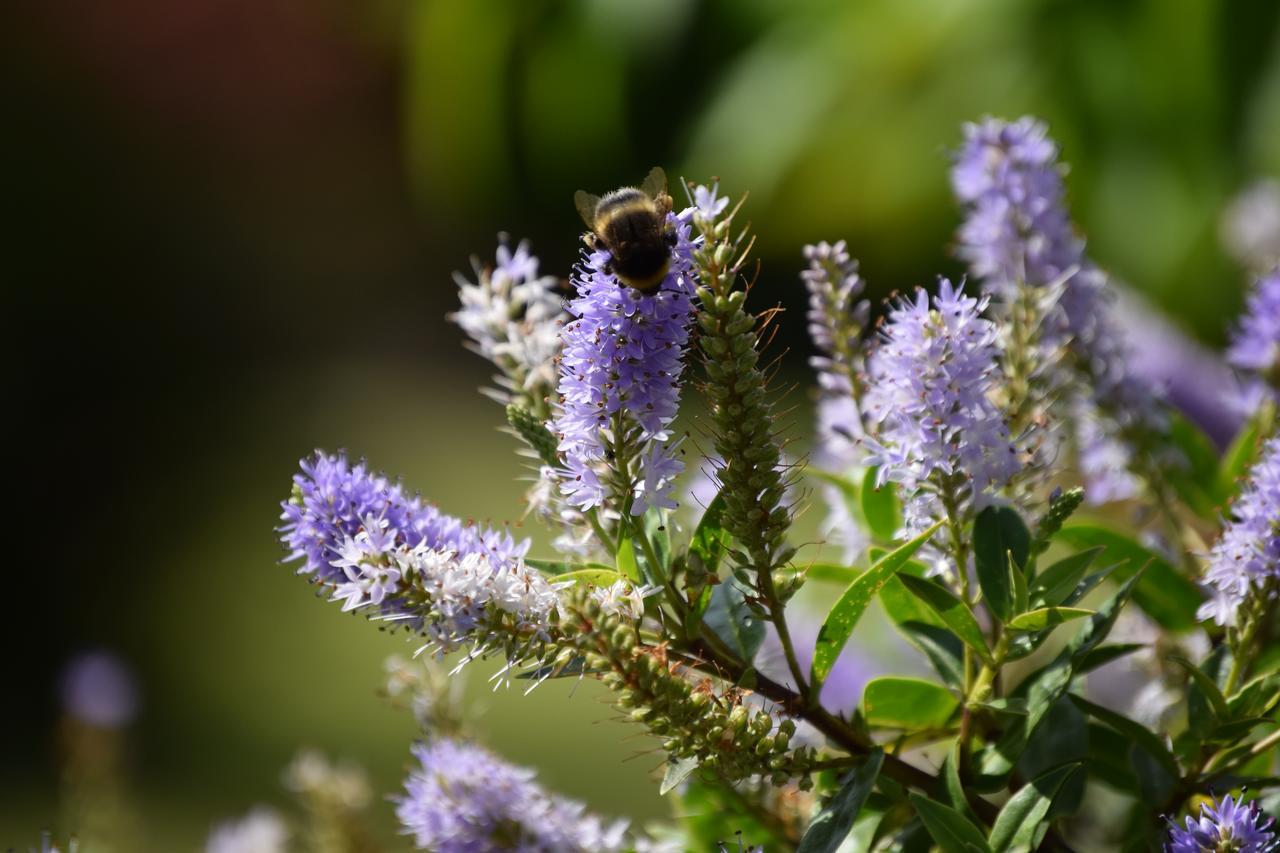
(1228, 824)
(360, 536)
(620, 379)
(938, 432)
(1246, 558)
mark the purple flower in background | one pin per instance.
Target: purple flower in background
(1227, 826)
(464, 799)
(929, 384)
(622, 360)
(1017, 236)
(1248, 552)
(260, 831)
(837, 318)
(1255, 343)
(98, 689)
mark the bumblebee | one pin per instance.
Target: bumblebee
(631, 224)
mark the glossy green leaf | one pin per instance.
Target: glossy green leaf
(951, 831)
(1243, 452)
(553, 567)
(881, 509)
(626, 558)
(731, 619)
(829, 829)
(953, 787)
(1135, 732)
(710, 539)
(848, 609)
(1022, 818)
(1055, 583)
(998, 532)
(1164, 594)
(954, 612)
(942, 648)
(907, 703)
(1195, 481)
(1044, 617)
(1207, 686)
(1105, 654)
(591, 577)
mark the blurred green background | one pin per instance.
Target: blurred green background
(232, 227)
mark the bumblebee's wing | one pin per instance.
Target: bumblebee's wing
(586, 204)
(656, 183)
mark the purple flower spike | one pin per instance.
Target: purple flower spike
(930, 381)
(623, 356)
(1255, 345)
(1248, 552)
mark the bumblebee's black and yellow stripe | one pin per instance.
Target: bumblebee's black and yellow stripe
(631, 224)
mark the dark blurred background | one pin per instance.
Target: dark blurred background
(231, 230)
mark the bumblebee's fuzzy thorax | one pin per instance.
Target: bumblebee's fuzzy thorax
(631, 225)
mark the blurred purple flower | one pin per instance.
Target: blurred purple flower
(98, 689)
(464, 799)
(1255, 343)
(1227, 826)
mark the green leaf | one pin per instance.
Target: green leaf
(907, 703)
(954, 612)
(880, 507)
(1103, 655)
(1055, 583)
(1048, 684)
(1135, 732)
(829, 829)
(1164, 593)
(1196, 482)
(1207, 686)
(1037, 620)
(953, 786)
(830, 572)
(710, 539)
(997, 533)
(592, 577)
(951, 831)
(677, 771)
(1243, 452)
(1020, 821)
(1011, 706)
(1021, 595)
(845, 613)
(732, 620)
(626, 558)
(553, 567)
(943, 648)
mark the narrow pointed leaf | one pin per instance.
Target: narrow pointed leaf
(907, 703)
(732, 620)
(880, 507)
(997, 533)
(1020, 820)
(953, 785)
(951, 831)
(1135, 732)
(626, 559)
(1055, 583)
(553, 567)
(1209, 687)
(1037, 620)
(845, 613)
(591, 577)
(954, 612)
(710, 539)
(828, 831)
